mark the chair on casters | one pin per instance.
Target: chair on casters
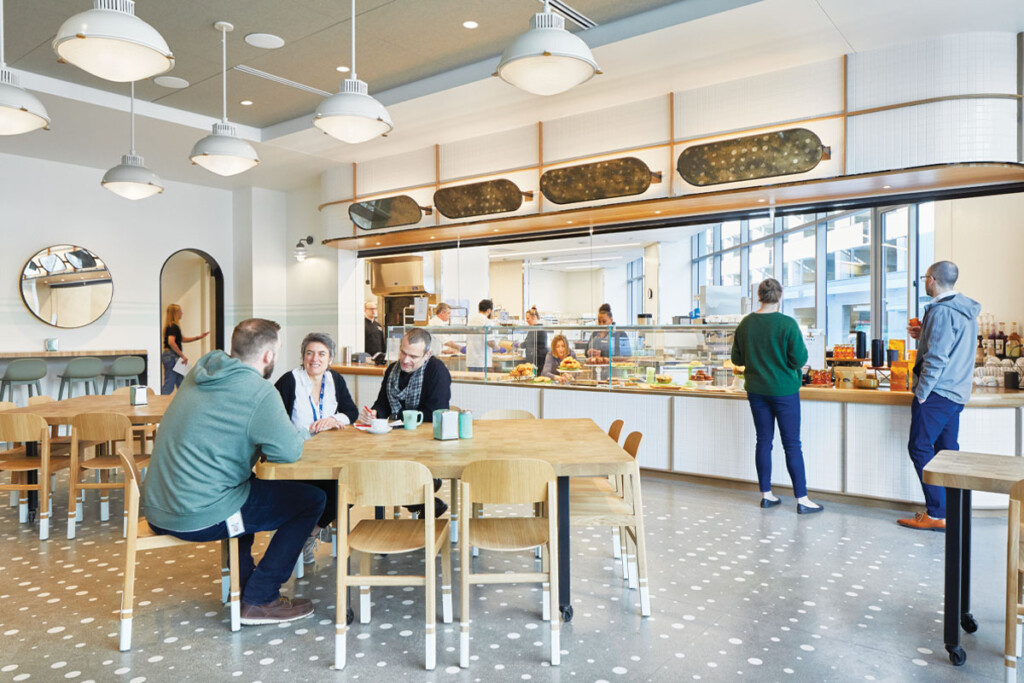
(101, 433)
(126, 369)
(141, 537)
(80, 370)
(22, 372)
(498, 482)
(623, 510)
(390, 483)
(27, 428)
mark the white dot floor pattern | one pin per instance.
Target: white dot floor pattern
(737, 593)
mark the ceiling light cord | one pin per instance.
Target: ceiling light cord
(2, 62)
(224, 75)
(132, 147)
(354, 39)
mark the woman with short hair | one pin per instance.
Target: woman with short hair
(317, 399)
(770, 346)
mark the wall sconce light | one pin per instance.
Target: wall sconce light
(300, 252)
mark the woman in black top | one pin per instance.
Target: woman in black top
(173, 339)
(536, 343)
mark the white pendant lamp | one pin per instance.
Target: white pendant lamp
(547, 59)
(351, 115)
(109, 41)
(20, 110)
(131, 179)
(223, 152)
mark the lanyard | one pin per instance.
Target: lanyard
(316, 416)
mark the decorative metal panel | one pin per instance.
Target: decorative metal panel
(478, 199)
(767, 155)
(386, 212)
(600, 180)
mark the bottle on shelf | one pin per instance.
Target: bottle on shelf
(1001, 341)
(1013, 343)
(990, 338)
(979, 353)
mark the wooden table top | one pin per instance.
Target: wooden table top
(574, 447)
(974, 471)
(86, 353)
(62, 412)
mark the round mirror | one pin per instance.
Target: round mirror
(66, 286)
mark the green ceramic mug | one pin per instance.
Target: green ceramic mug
(411, 419)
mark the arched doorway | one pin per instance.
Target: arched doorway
(193, 279)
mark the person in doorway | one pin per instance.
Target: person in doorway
(317, 399)
(418, 381)
(943, 376)
(603, 345)
(772, 348)
(172, 350)
(373, 335)
(535, 345)
(200, 486)
(478, 352)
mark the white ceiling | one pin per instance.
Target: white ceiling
(672, 47)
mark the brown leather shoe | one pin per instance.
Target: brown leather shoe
(281, 610)
(922, 521)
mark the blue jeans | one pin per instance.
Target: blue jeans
(292, 509)
(934, 427)
(171, 379)
(767, 410)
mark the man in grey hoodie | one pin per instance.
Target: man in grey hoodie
(943, 376)
(200, 485)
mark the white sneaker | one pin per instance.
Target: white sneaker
(309, 550)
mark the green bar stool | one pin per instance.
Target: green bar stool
(126, 369)
(80, 370)
(23, 372)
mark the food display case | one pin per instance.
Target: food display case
(613, 357)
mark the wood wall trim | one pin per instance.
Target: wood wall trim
(898, 185)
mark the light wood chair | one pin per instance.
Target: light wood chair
(59, 445)
(141, 537)
(1014, 582)
(7, 405)
(502, 482)
(146, 434)
(26, 428)
(581, 485)
(7, 450)
(391, 483)
(507, 414)
(98, 433)
(623, 510)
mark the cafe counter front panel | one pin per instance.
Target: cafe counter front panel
(854, 442)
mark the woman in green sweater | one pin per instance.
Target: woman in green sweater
(771, 348)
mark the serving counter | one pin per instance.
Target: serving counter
(854, 441)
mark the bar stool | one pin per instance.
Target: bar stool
(127, 368)
(84, 370)
(24, 371)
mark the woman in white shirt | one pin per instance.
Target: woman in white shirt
(316, 399)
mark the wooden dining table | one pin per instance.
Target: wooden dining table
(61, 413)
(573, 447)
(961, 473)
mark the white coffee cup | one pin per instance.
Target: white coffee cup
(379, 424)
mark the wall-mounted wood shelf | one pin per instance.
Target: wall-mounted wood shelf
(943, 181)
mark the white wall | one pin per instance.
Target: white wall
(614, 294)
(465, 276)
(506, 278)
(652, 283)
(133, 238)
(674, 281)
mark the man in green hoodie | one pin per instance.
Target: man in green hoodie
(200, 485)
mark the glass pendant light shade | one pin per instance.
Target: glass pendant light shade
(110, 42)
(223, 152)
(351, 115)
(131, 179)
(547, 59)
(20, 110)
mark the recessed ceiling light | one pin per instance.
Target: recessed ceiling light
(570, 222)
(378, 244)
(469, 24)
(495, 230)
(267, 41)
(246, 103)
(886, 187)
(760, 201)
(343, 69)
(431, 237)
(171, 82)
(657, 212)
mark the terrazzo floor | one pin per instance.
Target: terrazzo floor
(737, 593)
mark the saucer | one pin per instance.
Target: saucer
(373, 431)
